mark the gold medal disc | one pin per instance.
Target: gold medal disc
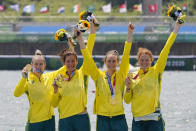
(113, 101)
(28, 67)
(130, 75)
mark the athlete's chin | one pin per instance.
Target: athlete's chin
(112, 69)
(71, 68)
(144, 67)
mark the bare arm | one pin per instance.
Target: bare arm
(70, 44)
(177, 28)
(80, 39)
(93, 28)
(131, 29)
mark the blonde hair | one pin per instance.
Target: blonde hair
(144, 51)
(112, 52)
(66, 52)
(37, 54)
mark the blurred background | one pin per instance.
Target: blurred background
(27, 25)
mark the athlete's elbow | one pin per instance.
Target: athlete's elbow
(127, 101)
(16, 94)
(54, 105)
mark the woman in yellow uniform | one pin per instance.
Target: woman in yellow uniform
(143, 88)
(108, 104)
(70, 90)
(36, 86)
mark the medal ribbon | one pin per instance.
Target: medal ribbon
(70, 77)
(37, 70)
(112, 88)
(136, 77)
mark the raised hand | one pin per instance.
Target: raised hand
(80, 39)
(94, 26)
(128, 84)
(24, 72)
(78, 34)
(131, 28)
(70, 43)
(55, 86)
(177, 27)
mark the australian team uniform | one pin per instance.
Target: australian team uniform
(144, 94)
(108, 104)
(71, 97)
(39, 92)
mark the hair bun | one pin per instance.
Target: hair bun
(38, 52)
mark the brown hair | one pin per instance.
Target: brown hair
(38, 53)
(144, 51)
(113, 52)
(66, 52)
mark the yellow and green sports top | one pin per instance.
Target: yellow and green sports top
(71, 97)
(39, 92)
(104, 103)
(145, 89)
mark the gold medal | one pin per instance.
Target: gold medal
(59, 80)
(130, 75)
(28, 67)
(113, 101)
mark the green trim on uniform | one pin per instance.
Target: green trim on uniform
(159, 78)
(115, 123)
(149, 125)
(75, 123)
(85, 82)
(48, 125)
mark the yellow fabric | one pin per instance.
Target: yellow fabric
(71, 97)
(90, 42)
(39, 92)
(103, 104)
(145, 90)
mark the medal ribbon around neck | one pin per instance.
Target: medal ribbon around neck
(70, 77)
(112, 88)
(37, 70)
